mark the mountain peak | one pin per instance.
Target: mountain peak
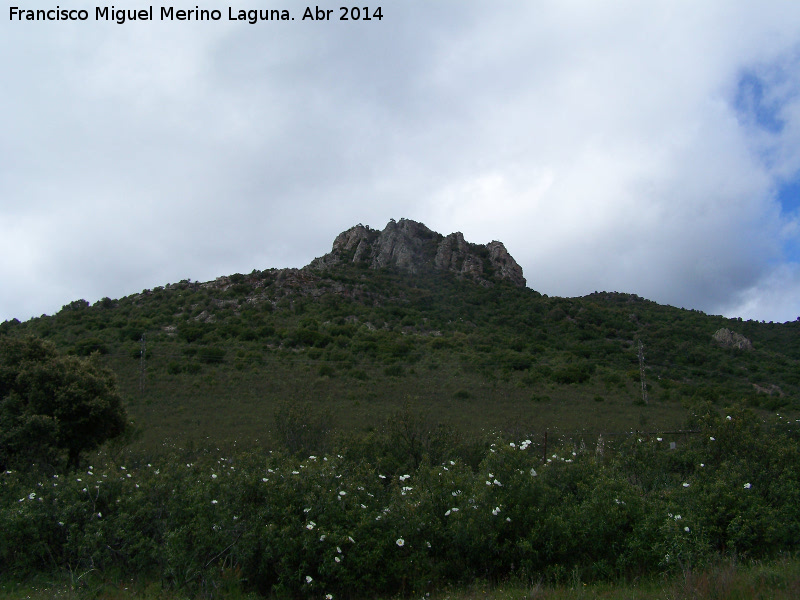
(413, 248)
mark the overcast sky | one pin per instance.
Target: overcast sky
(644, 147)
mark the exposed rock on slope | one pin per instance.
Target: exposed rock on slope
(413, 248)
(730, 339)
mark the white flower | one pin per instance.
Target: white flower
(343, 493)
(338, 550)
(31, 496)
(488, 482)
(295, 472)
(311, 525)
(533, 473)
(677, 517)
(513, 445)
(685, 485)
(322, 538)
(686, 529)
(496, 511)
(497, 482)
(747, 486)
(400, 542)
(213, 476)
(404, 477)
(382, 476)
(99, 515)
(702, 464)
(447, 514)
(352, 541)
(728, 417)
(452, 463)
(309, 579)
(712, 438)
(328, 596)
(659, 439)
(214, 502)
(337, 559)
(264, 479)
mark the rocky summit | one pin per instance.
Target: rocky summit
(411, 247)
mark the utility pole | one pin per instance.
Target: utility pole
(641, 372)
(142, 365)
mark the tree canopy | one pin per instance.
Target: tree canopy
(51, 405)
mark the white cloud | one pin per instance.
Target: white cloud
(772, 298)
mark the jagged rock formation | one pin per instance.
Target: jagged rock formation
(412, 247)
(730, 339)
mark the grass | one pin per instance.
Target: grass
(200, 405)
(774, 580)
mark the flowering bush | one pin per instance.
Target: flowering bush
(345, 526)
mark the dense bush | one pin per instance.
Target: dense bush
(354, 525)
(52, 404)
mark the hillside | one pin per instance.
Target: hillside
(409, 316)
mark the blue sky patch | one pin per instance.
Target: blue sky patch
(754, 106)
(789, 195)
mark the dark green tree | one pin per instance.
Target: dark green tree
(51, 405)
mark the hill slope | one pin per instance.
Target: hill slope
(407, 315)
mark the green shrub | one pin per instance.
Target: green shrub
(573, 373)
(211, 355)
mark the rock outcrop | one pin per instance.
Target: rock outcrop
(413, 248)
(730, 339)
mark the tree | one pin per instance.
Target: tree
(52, 404)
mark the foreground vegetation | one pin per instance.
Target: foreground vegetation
(364, 521)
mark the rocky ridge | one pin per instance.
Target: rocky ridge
(411, 247)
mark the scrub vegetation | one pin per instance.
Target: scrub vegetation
(360, 433)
